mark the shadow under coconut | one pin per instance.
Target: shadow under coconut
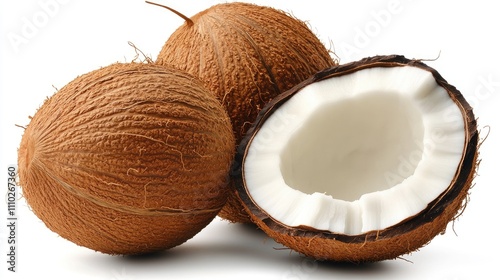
(230, 250)
(355, 268)
(244, 250)
(230, 242)
(302, 267)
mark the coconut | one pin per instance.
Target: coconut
(362, 162)
(128, 159)
(246, 55)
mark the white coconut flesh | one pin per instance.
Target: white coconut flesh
(356, 153)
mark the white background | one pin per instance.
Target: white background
(46, 46)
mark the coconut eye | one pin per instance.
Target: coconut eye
(356, 163)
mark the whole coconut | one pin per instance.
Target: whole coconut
(128, 159)
(245, 54)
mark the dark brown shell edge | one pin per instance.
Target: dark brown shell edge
(450, 202)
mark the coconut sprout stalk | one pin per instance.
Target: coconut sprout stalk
(246, 55)
(188, 20)
(131, 158)
(377, 158)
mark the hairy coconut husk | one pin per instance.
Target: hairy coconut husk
(246, 55)
(128, 159)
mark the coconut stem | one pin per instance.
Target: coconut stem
(188, 20)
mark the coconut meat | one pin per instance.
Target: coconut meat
(356, 153)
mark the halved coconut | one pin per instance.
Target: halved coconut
(362, 162)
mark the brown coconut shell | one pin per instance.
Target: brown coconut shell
(404, 237)
(128, 159)
(246, 55)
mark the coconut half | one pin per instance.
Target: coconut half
(362, 162)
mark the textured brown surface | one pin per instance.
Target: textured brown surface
(247, 55)
(396, 240)
(127, 159)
